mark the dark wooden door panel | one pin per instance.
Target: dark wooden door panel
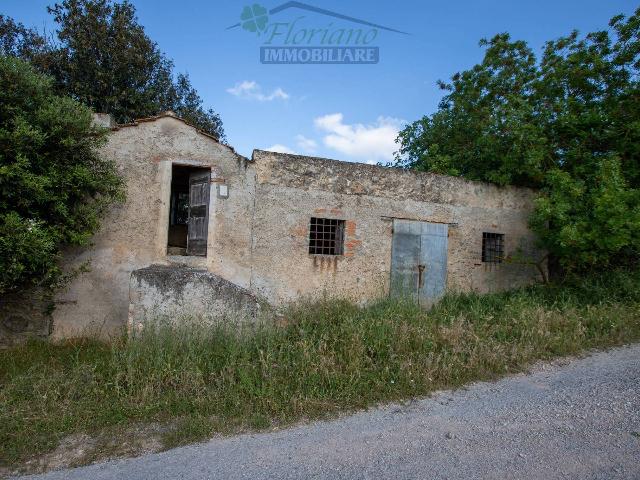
(199, 188)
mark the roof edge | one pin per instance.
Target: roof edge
(383, 168)
(171, 114)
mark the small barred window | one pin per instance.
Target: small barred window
(492, 247)
(326, 236)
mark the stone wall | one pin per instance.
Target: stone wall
(258, 236)
(134, 235)
(291, 189)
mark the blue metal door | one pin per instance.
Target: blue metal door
(419, 260)
(433, 256)
(405, 258)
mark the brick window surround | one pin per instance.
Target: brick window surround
(326, 236)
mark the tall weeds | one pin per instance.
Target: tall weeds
(330, 356)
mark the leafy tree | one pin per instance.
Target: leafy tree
(567, 123)
(595, 218)
(187, 104)
(104, 58)
(54, 187)
(18, 41)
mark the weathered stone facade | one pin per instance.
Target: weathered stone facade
(134, 234)
(258, 234)
(291, 189)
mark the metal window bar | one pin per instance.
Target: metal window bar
(326, 236)
(492, 247)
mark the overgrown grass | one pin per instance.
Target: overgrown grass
(331, 356)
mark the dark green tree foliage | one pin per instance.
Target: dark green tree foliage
(104, 58)
(18, 41)
(187, 104)
(53, 185)
(567, 123)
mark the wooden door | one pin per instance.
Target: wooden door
(198, 226)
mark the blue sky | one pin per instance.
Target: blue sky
(349, 112)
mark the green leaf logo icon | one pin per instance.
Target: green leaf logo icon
(254, 18)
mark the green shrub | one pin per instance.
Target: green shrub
(54, 187)
(564, 122)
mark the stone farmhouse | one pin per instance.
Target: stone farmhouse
(208, 233)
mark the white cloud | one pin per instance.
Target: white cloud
(369, 143)
(253, 91)
(280, 149)
(306, 144)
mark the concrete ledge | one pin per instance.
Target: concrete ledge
(181, 294)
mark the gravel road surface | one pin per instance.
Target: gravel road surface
(576, 419)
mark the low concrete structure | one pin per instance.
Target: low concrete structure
(284, 227)
(170, 294)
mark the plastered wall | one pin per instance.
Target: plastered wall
(292, 189)
(258, 236)
(134, 234)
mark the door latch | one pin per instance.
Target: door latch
(421, 269)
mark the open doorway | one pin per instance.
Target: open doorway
(189, 211)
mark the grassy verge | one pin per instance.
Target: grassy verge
(331, 356)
